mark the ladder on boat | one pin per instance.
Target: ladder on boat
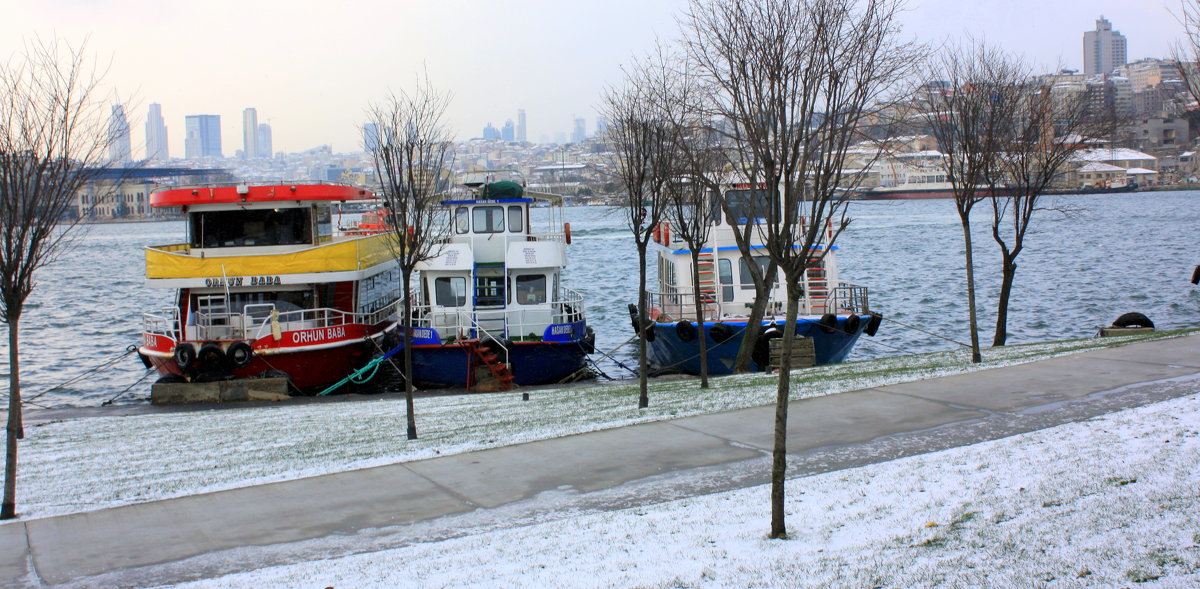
(707, 269)
(484, 353)
(818, 288)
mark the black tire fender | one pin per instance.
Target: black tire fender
(762, 347)
(853, 322)
(185, 356)
(1133, 320)
(721, 333)
(212, 358)
(873, 324)
(240, 354)
(685, 331)
(828, 323)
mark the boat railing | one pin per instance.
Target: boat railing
(850, 298)
(521, 323)
(681, 305)
(165, 323)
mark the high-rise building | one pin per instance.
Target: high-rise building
(203, 138)
(491, 132)
(1103, 48)
(264, 146)
(580, 132)
(156, 134)
(120, 150)
(521, 130)
(601, 126)
(370, 137)
(249, 133)
(509, 132)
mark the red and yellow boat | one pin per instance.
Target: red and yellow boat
(268, 285)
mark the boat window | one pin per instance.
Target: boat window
(488, 219)
(531, 289)
(744, 269)
(725, 268)
(450, 291)
(714, 204)
(462, 221)
(324, 221)
(515, 218)
(746, 205)
(252, 227)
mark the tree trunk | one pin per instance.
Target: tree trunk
(976, 357)
(1009, 274)
(699, 299)
(643, 384)
(406, 322)
(779, 452)
(15, 429)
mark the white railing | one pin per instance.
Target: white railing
(675, 306)
(256, 321)
(523, 323)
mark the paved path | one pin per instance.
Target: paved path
(203, 536)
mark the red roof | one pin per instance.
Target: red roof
(238, 193)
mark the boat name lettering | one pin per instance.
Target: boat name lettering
(242, 280)
(560, 330)
(419, 333)
(316, 335)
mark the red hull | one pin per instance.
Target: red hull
(308, 369)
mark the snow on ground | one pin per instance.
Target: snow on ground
(93, 463)
(1107, 502)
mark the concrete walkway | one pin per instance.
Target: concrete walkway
(203, 536)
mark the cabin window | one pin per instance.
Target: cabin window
(324, 221)
(744, 269)
(746, 206)
(488, 219)
(450, 291)
(515, 218)
(725, 270)
(253, 227)
(531, 289)
(462, 220)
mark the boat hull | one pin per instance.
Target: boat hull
(668, 353)
(308, 370)
(532, 363)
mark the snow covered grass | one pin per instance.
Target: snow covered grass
(1107, 502)
(93, 463)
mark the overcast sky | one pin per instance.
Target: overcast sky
(310, 68)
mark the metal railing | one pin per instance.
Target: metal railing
(256, 321)
(519, 324)
(674, 306)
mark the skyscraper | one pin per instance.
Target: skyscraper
(156, 134)
(203, 137)
(265, 147)
(120, 150)
(1103, 48)
(509, 131)
(249, 133)
(601, 126)
(521, 136)
(370, 137)
(580, 132)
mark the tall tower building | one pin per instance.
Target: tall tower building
(521, 135)
(265, 148)
(1103, 49)
(120, 150)
(509, 131)
(203, 137)
(156, 134)
(370, 137)
(580, 132)
(249, 133)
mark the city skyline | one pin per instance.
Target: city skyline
(554, 61)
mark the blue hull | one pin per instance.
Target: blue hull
(669, 353)
(533, 363)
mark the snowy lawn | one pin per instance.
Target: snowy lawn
(93, 463)
(1109, 502)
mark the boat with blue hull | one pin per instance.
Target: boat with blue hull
(833, 314)
(491, 309)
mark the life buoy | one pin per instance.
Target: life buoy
(1133, 320)
(721, 333)
(685, 331)
(762, 347)
(567, 233)
(666, 233)
(656, 233)
(185, 356)
(212, 358)
(873, 324)
(852, 324)
(828, 323)
(240, 354)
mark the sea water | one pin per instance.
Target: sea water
(1087, 260)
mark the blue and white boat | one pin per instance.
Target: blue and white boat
(832, 312)
(492, 310)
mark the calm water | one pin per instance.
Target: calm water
(1111, 254)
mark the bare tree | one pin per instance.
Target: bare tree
(645, 161)
(1042, 138)
(54, 139)
(413, 153)
(973, 98)
(796, 79)
(1186, 52)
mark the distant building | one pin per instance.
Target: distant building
(1103, 49)
(120, 150)
(601, 126)
(509, 132)
(580, 132)
(249, 133)
(370, 137)
(203, 138)
(522, 135)
(490, 132)
(156, 135)
(263, 139)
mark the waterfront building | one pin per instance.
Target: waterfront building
(120, 150)
(264, 146)
(156, 135)
(203, 136)
(1103, 49)
(249, 133)
(521, 129)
